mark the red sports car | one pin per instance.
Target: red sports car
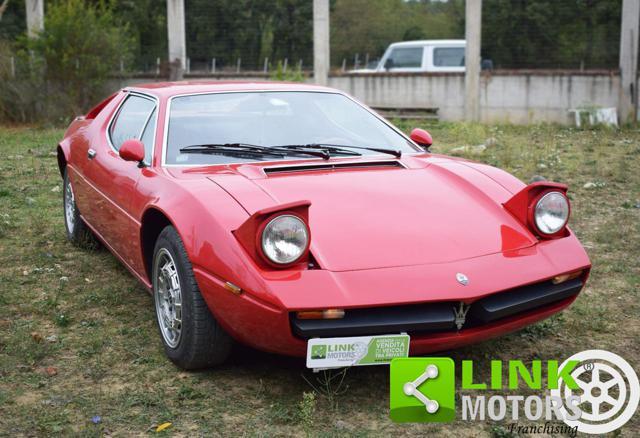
(271, 213)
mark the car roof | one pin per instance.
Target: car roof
(168, 89)
(429, 43)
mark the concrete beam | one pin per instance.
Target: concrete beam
(177, 39)
(321, 51)
(473, 31)
(629, 60)
(35, 17)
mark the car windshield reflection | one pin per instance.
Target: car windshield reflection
(270, 119)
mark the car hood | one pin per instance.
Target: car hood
(386, 216)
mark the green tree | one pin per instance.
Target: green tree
(551, 34)
(13, 20)
(293, 31)
(250, 30)
(66, 69)
(146, 21)
(369, 26)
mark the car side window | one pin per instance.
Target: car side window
(448, 57)
(405, 57)
(148, 136)
(131, 119)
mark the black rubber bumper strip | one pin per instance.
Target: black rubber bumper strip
(379, 320)
(436, 316)
(522, 299)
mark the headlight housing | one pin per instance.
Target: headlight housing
(285, 239)
(551, 213)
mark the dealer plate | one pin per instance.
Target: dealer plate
(355, 351)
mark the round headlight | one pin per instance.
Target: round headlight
(551, 212)
(285, 239)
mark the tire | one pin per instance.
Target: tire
(191, 336)
(77, 231)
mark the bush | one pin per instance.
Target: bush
(18, 89)
(66, 69)
(289, 75)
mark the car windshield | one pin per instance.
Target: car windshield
(272, 119)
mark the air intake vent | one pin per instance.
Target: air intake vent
(331, 166)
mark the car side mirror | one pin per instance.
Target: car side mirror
(422, 137)
(388, 64)
(132, 150)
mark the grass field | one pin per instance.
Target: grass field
(78, 337)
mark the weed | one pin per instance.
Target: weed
(501, 432)
(280, 413)
(188, 392)
(548, 327)
(62, 320)
(306, 412)
(330, 384)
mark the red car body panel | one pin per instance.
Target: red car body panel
(382, 236)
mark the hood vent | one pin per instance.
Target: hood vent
(332, 166)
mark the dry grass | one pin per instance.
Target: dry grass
(78, 339)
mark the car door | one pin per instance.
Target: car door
(113, 180)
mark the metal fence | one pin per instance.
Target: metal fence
(251, 35)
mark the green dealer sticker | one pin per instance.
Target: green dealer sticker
(354, 351)
(422, 389)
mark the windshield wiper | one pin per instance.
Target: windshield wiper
(340, 148)
(236, 148)
(330, 149)
(227, 149)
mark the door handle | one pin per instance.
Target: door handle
(91, 154)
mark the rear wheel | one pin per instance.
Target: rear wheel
(77, 231)
(191, 336)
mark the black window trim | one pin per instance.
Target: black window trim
(116, 113)
(154, 110)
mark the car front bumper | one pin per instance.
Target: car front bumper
(418, 300)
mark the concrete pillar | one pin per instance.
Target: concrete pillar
(629, 60)
(177, 39)
(473, 26)
(35, 17)
(321, 57)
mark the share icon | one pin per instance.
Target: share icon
(411, 389)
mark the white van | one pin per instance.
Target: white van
(421, 56)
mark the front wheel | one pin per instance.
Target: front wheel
(77, 231)
(191, 336)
